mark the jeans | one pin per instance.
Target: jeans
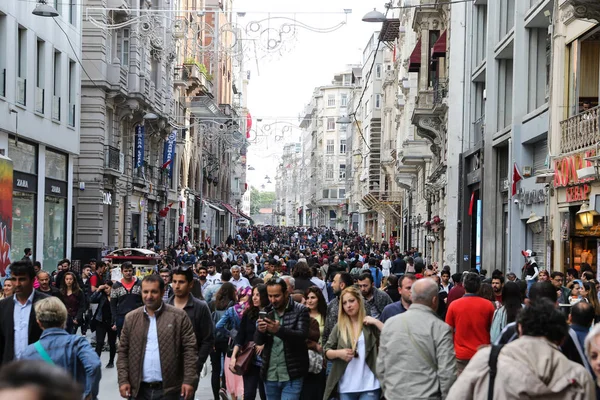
(289, 390)
(102, 329)
(120, 320)
(217, 379)
(252, 381)
(145, 393)
(369, 395)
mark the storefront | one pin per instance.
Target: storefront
(55, 207)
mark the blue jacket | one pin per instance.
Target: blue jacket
(74, 354)
(377, 276)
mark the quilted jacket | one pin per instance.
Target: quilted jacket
(293, 332)
(176, 343)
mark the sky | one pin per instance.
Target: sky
(281, 86)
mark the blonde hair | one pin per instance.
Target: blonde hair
(51, 312)
(345, 328)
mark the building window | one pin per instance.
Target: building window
(22, 67)
(3, 51)
(505, 93)
(507, 17)
(377, 101)
(329, 171)
(39, 76)
(56, 87)
(125, 47)
(343, 100)
(537, 68)
(55, 212)
(56, 165)
(343, 146)
(325, 193)
(343, 127)
(71, 12)
(333, 193)
(378, 71)
(331, 100)
(342, 193)
(330, 146)
(330, 124)
(73, 81)
(342, 171)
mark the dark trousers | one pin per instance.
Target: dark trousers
(252, 381)
(103, 329)
(313, 386)
(71, 327)
(146, 393)
(217, 379)
(120, 320)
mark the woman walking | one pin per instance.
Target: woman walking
(74, 300)
(511, 304)
(352, 347)
(251, 377)
(314, 382)
(225, 298)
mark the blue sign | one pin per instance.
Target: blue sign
(169, 152)
(139, 146)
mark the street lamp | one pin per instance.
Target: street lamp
(535, 223)
(374, 16)
(43, 9)
(343, 120)
(586, 216)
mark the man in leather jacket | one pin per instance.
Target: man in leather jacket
(283, 332)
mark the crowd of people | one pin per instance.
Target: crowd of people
(296, 313)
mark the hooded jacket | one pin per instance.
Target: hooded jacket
(535, 368)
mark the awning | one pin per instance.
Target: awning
(439, 48)
(245, 216)
(214, 207)
(415, 58)
(389, 30)
(230, 209)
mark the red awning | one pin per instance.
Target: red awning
(230, 208)
(439, 48)
(246, 217)
(415, 58)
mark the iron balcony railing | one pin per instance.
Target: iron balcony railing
(580, 131)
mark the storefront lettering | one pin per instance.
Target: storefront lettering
(565, 169)
(23, 183)
(55, 189)
(578, 193)
(107, 198)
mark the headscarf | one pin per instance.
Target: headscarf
(240, 307)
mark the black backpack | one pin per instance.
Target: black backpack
(220, 336)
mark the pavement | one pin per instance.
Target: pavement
(109, 388)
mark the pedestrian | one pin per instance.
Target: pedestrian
(57, 347)
(7, 289)
(513, 303)
(283, 333)
(470, 318)
(74, 299)
(392, 288)
(225, 298)
(37, 380)
(196, 309)
(237, 279)
(592, 350)
(405, 289)
(458, 290)
(302, 276)
(125, 296)
(157, 350)
(533, 364)
(314, 382)
(165, 275)
(341, 281)
(375, 299)
(386, 265)
(416, 355)
(19, 328)
(211, 291)
(245, 337)
(352, 347)
(102, 322)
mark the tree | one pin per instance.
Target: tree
(260, 200)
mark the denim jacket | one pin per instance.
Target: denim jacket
(74, 354)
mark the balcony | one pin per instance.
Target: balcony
(21, 91)
(429, 112)
(586, 9)
(414, 152)
(180, 75)
(197, 77)
(114, 161)
(56, 108)
(39, 100)
(580, 131)
(389, 151)
(117, 77)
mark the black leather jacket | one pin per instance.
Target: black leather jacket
(294, 332)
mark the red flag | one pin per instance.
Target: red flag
(471, 204)
(248, 125)
(165, 165)
(516, 178)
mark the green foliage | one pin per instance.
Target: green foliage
(201, 67)
(260, 200)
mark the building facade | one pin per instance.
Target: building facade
(40, 125)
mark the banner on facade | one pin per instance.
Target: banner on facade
(169, 152)
(139, 146)
(6, 212)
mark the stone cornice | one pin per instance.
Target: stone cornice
(586, 9)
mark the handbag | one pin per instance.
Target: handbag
(244, 358)
(315, 362)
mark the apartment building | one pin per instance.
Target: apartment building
(40, 126)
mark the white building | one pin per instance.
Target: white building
(39, 124)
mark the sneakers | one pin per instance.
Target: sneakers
(223, 394)
(110, 364)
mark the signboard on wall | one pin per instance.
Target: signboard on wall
(6, 212)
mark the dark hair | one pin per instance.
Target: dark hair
(558, 273)
(486, 291)
(165, 271)
(574, 272)
(499, 277)
(23, 267)
(226, 275)
(154, 279)
(63, 286)
(408, 276)
(419, 268)
(100, 264)
(542, 319)
(27, 250)
(126, 265)
(321, 303)
(511, 300)
(37, 264)
(252, 311)
(471, 282)
(445, 272)
(589, 275)
(542, 290)
(346, 278)
(225, 295)
(301, 270)
(187, 272)
(278, 282)
(392, 280)
(582, 313)
(50, 382)
(497, 273)
(366, 275)
(457, 277)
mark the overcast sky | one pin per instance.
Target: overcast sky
(281, 86)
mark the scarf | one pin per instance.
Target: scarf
(240, 307)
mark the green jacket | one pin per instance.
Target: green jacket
(339, 366)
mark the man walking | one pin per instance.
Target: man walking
(283, 333)
(405, 287)
(157, 351)
(237, 279)
(19, 327)
(341, 281)
(471, 319)
(375, 299)
(416, 355)
(45, 287)
(125, 296)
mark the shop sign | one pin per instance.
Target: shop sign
(56, 188)
(565, 169)
(107, 198)
(529, 197)
(139, 145)
(24, 182)
(578, 193)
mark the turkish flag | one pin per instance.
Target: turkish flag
(248, 125)
(516, 178)
(471, 204)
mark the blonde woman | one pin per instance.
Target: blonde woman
(352, 347)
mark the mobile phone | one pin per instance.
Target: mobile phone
(262, 314)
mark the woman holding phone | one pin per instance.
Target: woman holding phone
(352, 347)
(252, 379)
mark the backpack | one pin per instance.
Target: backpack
(220, 337)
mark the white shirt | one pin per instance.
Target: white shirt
(358, 377)
(21, 315)
(151, 371)
(212, 279)
(240, 283)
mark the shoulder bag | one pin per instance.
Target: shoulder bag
(244, 358)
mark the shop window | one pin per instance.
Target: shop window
(55, 212)
(56, 165)
(23, 155)
(23, 224)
